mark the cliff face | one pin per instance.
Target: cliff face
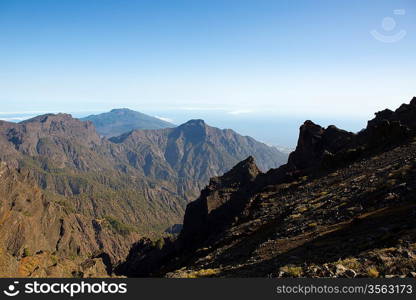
(143, 178)
(41, 236)
(315, 143)
(66, 157)
(190, 154)
(68, 193)
(341, 207)
(222, 200)
(319, 147)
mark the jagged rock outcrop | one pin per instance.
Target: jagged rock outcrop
(66, 156)
(82, 195)
(151, 174)
(201, 149)
(193, 153)
(326, 147)
(342, 215)
(404, 114)
(315, 142)
(390, 127)
(220, 202)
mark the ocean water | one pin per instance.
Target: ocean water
(271, 128)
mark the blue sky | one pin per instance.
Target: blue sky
(314, 59)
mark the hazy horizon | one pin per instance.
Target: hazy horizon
(239, 64)
(282, 131)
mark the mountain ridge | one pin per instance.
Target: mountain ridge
(341, 207)
(110, 193)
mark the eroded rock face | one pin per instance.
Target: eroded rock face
(390, 127)
(223, 200)
(310, 146)
(143, 178)
(315, 142)
(328, 147)
(71, 193)
(37, 231)
(404, 114)
(350, 203)
(219, 203)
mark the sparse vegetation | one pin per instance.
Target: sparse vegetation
(292, 271)
(202, 273)
(26, 252)
(119, 227)
(351, 263)
(333, 221)
(54, 259)
(26, 214)
(301, 208)
(159, 243)
(373, 272)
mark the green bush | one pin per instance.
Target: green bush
(119, 227)
(26, 252)
(159, 244)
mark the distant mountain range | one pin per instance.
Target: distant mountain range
(119, 121)
(76, 204)
(73, 202)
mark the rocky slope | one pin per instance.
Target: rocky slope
(68, 194)
(67, 157)
(193, 152)
(143, 178)
(343, 206)
(40, 236)
(119, 121)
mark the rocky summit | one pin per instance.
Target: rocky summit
(72, 203)
(343, 206)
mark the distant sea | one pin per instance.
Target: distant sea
(273, 129)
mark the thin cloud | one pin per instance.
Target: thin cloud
(37, 112)
(201, 108)
(16, 119)
(165, 119)
(240, 111)
(22, 112)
